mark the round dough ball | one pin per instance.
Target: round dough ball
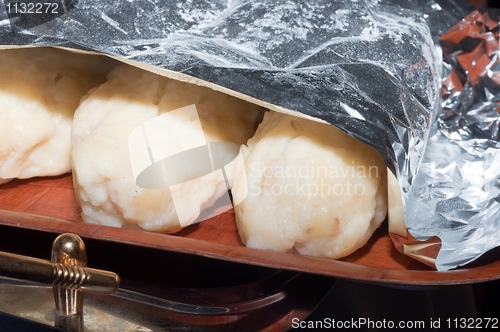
(40, 89)
(103, 176)
(311, 187)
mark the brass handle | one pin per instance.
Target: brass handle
(56, 274)
(67, 273)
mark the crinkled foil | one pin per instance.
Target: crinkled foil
(368, 67)
(471, 90)
(456, 193)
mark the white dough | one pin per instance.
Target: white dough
(311, 188)
(40, 89)
(104, 182)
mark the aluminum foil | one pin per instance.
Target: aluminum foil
(368, 67)
(456, 193)
(471, 88)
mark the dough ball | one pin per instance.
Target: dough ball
(311, 188)
(40, 89)
(104, 180)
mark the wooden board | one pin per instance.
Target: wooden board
(48, 204)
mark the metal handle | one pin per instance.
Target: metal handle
(67, 273)
(57, 274)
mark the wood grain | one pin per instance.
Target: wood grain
(48, 204)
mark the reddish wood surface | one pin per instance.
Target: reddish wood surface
(48, 204)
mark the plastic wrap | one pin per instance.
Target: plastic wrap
(355, 65)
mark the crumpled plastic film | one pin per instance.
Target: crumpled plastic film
(368, 67)
(353, 64)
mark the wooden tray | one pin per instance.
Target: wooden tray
(48, 204)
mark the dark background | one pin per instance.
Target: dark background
(339, 299)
